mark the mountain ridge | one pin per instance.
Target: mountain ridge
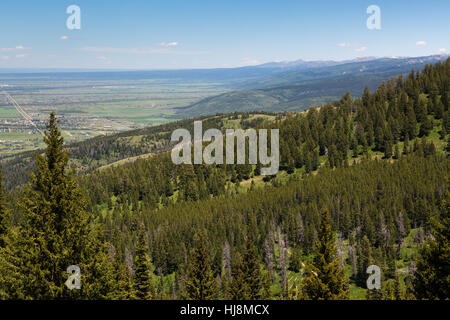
(296, 90)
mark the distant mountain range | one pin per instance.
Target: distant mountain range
(309, 64)
(271, 73)
(294, 86)
(273, 86)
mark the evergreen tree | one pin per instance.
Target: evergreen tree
(432, 280)
(238, 289)
(426, 127)
(326, 279)
(4, 214)
(122, 277)
(396, 152)
(392, 289)
(55, 234)
(295, 261)
(374, 294)
(398, 288)
(267, 289)
(388, 149)
(364, 260)
(200, 283)
(252, 269)
(142, 278)
(247, 277)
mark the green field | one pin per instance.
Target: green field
(88, 108)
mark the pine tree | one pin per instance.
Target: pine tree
(142, 278)
(122, 277)
(267, 288)
(326, 279)
(431, 280)
(56, 232)
(295, 261)
(238, 289)
(252, 269)
(374, 294)
(392, 289)
(248, 282)
(4, 214)
(396, 152)
(4, 272)
(364, 260)
(398, 288)
(388, 149)
(200, 283)
(426, 127)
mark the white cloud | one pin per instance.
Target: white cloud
(442, 50)
(4, 57)
(421, 43)
(64, 37)
(344, 44)
(168, 44)
(20, 56)
(17, 48)
(249, 62)
(361, 49)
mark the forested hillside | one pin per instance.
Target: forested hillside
(296, 90)
(93, 153)
(363, 181)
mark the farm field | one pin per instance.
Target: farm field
(88, 108)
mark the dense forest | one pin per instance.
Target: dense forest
(363, 181)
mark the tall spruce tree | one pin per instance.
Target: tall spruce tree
(248, 282)
(365, 259)
(55, 233)
(252, 268)
(4, 214)
(142, 284)
(238, 289)
(4, 272)
(122, 277)
(200, 283)
(326, 279)
(432, 277)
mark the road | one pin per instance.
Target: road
(22, 112)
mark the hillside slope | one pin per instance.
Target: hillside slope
(296, 90)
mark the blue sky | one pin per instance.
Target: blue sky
(168, 34)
